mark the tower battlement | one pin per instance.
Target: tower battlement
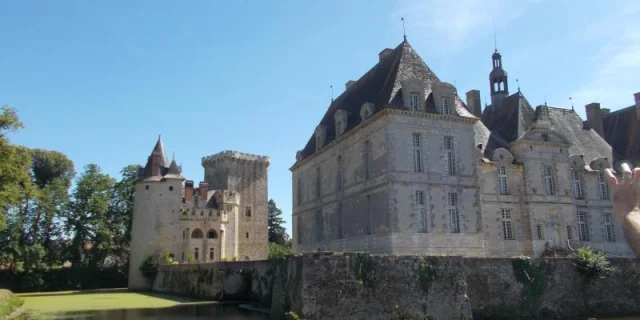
(235, 155)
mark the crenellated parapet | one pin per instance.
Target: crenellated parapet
(235, 155)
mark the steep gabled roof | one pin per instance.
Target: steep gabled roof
(512, 119)
(381, 86)
(622, 131)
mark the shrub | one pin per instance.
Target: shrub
(592, 264)
(149, 267)
(8, 302)
(278, 251)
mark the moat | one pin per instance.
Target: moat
(182, 312)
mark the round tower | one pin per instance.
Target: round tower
(155, 223)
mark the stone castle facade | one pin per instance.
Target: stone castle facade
(224, 218)
(400, 164)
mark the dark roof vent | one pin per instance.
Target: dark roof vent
(349, 84)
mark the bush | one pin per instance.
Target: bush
(8, 303)
(149, 267)
(278, 251)
(592, 264)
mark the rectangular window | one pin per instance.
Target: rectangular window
(339, 128)
(608, 228)
(211, 254)
(247, 211)
(603, 189)
(415, 104)
(549, 181)
(540, 231)
(339, 173)
(502, 180)
(318, 182)
(196, 253)
(506, 224)
(583, 227)
(576, 184)
(368, 223)
(569, 233)
(319, 226)
(339, 221)
(449, 155)
(299, 191)
(454, 216)
(367, 159)
(299, 230)
(182, 256)
(420, 211)
(445, 106)
(417, 152)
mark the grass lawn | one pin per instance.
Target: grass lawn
(50, 302)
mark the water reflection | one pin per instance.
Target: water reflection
(184, 312)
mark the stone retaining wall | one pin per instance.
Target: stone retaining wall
(362, 286)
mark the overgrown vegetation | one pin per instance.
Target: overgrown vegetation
(149, 267)
(592, 264)
(279, 251)
(48, 228)
(291, 316)
(404, 314)
(8, 303)
(365, 270)
(533, 276)
(427, 272)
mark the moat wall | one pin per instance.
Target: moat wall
(360, 286)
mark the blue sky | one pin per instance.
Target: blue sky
(99, 80)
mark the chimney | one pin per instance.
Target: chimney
(604, 112)
(594, 117)
(384, 53)
(637, 96)
(473, 102)
(349, 84)
(188, 190)
(203, 187)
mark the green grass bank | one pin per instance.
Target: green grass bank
(9, 302)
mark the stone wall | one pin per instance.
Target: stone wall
(362, 286)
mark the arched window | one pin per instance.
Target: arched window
(211, 234)
(196, 234)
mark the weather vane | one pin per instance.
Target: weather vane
(331, 86)
(404, 31)
(571, 99)
(518, 82)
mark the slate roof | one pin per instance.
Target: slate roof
(515, 117)
(584, 141)
(381, 86)
(512, 119)
(622, 130)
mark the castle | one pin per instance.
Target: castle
(224, 218)
(400, 164)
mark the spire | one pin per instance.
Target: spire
(173, 168)
(159, 151)
(404, 31)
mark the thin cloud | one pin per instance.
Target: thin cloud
(615, 79)
(455, 25)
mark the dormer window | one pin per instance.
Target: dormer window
(321, 136)
(366, 111)
(414, 102)
(445, 106)
(340, 119)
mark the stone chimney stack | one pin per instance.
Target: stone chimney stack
(473, 102)
(384, 53)
(637, 96)
(188, 190)
(203, 188)
(349, 84)
(594, 117)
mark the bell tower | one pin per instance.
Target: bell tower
(498, 81)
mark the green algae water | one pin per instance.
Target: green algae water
(181, 312)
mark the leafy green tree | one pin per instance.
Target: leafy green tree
(278, 251)
(88, 218)
(277, 233)
(121, 212)
(14, 175)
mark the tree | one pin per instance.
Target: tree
(277, 233)
(88, 218)
(14, 174)
(121, 211)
